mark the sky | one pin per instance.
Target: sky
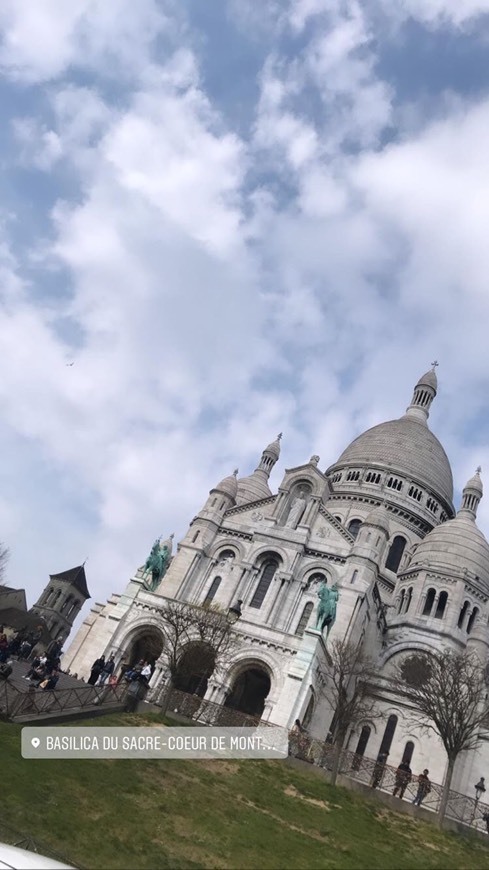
(234, 219)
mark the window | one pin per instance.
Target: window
(226, 554)
(395, 554)
(354, 576)
(212, 590)
(401, 601)
(390, 728)
(353, 475)
(318, 577)
(302, 624)
(268, 571)
(408, 752)
(353, 527)
(463, 613)
(394, 483)
(361, 746)
(432, 505)
(409, 596)
(441, 605)
(195, 537)
(473, 616)
(415, 493)
(428, 605)
(372, 477)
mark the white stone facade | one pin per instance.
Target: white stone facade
(380, 524)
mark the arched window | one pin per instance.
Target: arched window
(49, 595)
(409, 597)
(212, 590)
(440, 607)
(73, 605)
(361, 746)
(309, 711)
(428, 605)
(302, 624)
(66, 603)
(395, 553)
(473, 616)
(463, 613)
(317, 577)
(226, 554)
(390, 728)
(267, 574)
(408, 752)
(195, 537)
(353, 527)
(401, 601)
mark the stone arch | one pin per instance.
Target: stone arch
(129, 642)
(403, 649)
(250, 684)
(315, 567)
(220, 546)
(196, 664)
(266, 550)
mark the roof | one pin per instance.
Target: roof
(75, 577)
(458, 544)
(406, 447)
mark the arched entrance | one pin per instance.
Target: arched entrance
(146, 646)
(249, 691)
(195, 666)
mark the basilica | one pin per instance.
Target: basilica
(409, 573)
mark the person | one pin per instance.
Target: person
(50, 682)
(424, 788)
(96, 670)
(106, 671)
(379, 769)
(3, 645)
(36, 663)
(485, 818)
(145, 674)
(403, 778)
(297, 727)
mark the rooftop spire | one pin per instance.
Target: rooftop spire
(270, 456)
(471, 495)
(424, 393)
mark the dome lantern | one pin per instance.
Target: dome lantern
(424, 393)
(471, 495)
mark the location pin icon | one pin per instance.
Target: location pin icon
(35, 742)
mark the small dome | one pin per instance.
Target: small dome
(229, 485)
(458, 544)
(429, 379)
(253, 488)
(379, 517)
(274, 447)
(475, 483)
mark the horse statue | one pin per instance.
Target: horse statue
(156, 563)
(328, 600)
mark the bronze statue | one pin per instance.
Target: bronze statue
(157, 563)
(328, 600)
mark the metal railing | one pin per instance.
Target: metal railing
(18, 705)
(460, 808)
(23, 841)
(205, 712)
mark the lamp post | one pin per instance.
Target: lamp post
(480, 788)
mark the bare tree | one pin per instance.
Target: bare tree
(447, 692)
(197, 640)
(351, 673)
(4, 557)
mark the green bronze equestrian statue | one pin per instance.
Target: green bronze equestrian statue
(328, 599)
(157, 563)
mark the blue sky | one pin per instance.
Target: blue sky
(237, 219)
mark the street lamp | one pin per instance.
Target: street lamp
(480, 788)
(234, 612)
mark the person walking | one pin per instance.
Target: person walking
(403, 778)
(96, 670)
(424, 788)
(107, 670)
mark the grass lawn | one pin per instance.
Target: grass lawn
(211, 814)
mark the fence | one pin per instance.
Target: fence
(460, 808)
(18, 705)
(12, 837)
(206, 712)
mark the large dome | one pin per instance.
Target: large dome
(457, 543)
(405, 446)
